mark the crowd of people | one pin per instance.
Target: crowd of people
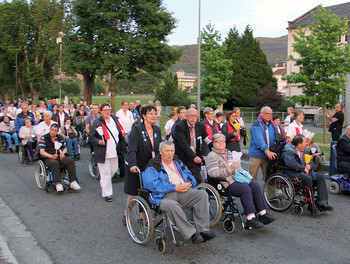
(131, 141)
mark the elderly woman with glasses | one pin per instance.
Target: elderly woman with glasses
(222, 163)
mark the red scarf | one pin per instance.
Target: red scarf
(230, 130)
(209, 129)
(105, 131)
(297, 130)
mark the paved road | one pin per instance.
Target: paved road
(80, 227)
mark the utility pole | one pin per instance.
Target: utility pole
(199, 64)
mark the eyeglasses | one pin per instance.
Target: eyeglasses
(193, 116)
(151, 114)
(219, 142)
(267, 113)
(106, 110)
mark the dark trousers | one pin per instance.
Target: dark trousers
(320, 183)
(251, 196)
(336, 135)
(195, 169)
(67, 163)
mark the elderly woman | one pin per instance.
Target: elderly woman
(70, 136)
(210, 125)
(222, 163)
(44, 126)
(27, 135)
(232, 135)
(7, 129)
(317, 154)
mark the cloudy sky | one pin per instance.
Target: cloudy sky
(267, 18)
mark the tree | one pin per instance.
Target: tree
(271, 98)
(324, 61)
(216, 73)
(251, 72)
(170, 94)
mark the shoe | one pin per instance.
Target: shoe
(266, 219)
(323, 206)
(59, 187)
(197, 238)
(74, 185)
(253, 224)
(11, 150)
(207, 235)
(76, 157)
(108, 199)
(124, 220)
(17, 149)
(314, 211)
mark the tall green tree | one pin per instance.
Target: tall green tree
(216, 73)
(324, 60)
(251, 72)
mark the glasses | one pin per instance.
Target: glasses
(151, 114)
(193, 116)
(219, 142)
(106, 110)
(267, 113)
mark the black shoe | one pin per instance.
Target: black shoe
(323, 206)
(17, 149)
(197, 238)
(124, 220)
(266, 219)
(108, 199)
(207, 235)
(314, 211)
(253, 224)
(11, 150)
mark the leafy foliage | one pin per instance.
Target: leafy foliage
(271, 98)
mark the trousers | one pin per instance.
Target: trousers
(107, 171)
(320, 183)
(255, 164)
(54, 165)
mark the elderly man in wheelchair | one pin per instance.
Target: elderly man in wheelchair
(294, 159)
(53, 149)
(172, 188)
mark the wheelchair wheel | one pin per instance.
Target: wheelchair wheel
(160, 245)
(21, 153)
(334, 187)
(278, 192)
(40, 175)
(298, 210)
(80, 138)
(215, 203)
(229, 225)
(139, 221)
(93, 168)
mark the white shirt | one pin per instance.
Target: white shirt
(170, 169)
(111, 150)
(169, 124)
(61, 119)
(42, 128)
(291, 132)
(125, 120)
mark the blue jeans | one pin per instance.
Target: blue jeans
(72, 146)
(13, 136)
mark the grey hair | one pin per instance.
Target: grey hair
(165, 143)
(264, 108)
(236, 109)
(347, 128)
(218, 135)
(208, 110)
(48, 112)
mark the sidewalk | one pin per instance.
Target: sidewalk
(17, 245)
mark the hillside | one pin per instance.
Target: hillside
(274, 48)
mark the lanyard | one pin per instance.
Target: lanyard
(225, 157)
(176, 170)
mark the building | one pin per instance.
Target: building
(186, 81)
(278, 70)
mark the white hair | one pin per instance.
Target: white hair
(48, 113)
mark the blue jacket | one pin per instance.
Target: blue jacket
(19, 121)
(293, 162)
(258, 142)
(156, 180)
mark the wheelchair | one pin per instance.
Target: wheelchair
(281, 192)
(143, 219)
(44, 177)
(23, 155)
(93, 169)
(340, 181)
(4, 144)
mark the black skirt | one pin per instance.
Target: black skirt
(132, 182)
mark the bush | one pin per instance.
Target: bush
(270, 98)
(285, 104)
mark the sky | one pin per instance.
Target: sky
(267, 18)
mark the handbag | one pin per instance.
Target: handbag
(242, 176)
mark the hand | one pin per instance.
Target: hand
(306, 170)
(197, 160)
(233, 167)
(61, 155)
(53, 156)
(134, 169)
(182, 188)
(235, 134)
(270, 155)
(101, 142)
(27, 137)
(308, 167)
(248, 137)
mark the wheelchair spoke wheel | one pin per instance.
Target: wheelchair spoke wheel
(139, 221)
(93, 168)
(215, 203)
(160, 245)
(40, 175)
(229, 225)
(21, 153)
(278, 193)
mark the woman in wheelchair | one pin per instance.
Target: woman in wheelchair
(27, 135)
(222, 163)
(294, 159)
(70, 138)
(172, 188)
(7, 129)
(53, 149)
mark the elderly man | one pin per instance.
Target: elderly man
(172, 188)
(263, 136)
(134, 112)
(44, 127)
(19, 122)
(343, 151)
(190, 135)
(337, 122)
(294, 157)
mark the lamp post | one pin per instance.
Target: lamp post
(16, 75)
(199, 62)
(59, 41)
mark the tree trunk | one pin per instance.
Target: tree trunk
(6, 94)
(112, 90)
(324, 125)
(35, 96)
(88, 86)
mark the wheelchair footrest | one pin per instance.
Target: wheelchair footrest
(179, 244)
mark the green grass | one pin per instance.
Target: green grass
(119, 98)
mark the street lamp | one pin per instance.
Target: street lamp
(59, 41)
(199, 63)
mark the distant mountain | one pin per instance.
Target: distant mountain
(274, 48)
